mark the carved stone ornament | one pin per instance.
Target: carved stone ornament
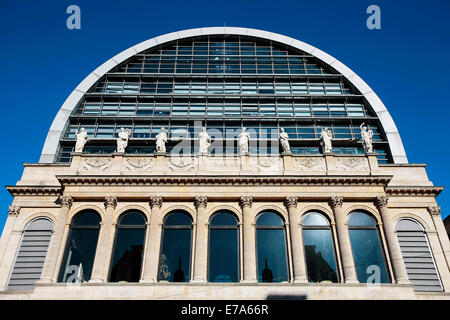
(434, 211)
(138, 164)
(246, 201)
(291, 202)
(309, 164)
(13, 210)
(92, 164)
(349, 164)
(180, 163)
(336, 201)
(156, 202)
(381, 201)
(266, 163)
(201, 201)
(110, 201)
(66, 201)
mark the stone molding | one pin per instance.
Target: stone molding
(34, 190)
(414, 191)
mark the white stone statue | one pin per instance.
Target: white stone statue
(82, 138)
(244, 138)
(325, 135)
(122, 140)
(204, 141)
(161, 140)
(284, 141)
(367, 138)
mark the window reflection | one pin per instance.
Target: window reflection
(175, 257)
(81, 247)
(271, 248)
(319, 248)
(126, 261)
(223, 248)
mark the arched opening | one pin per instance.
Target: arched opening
(175, 256)
(368, 255)
(223, 248)
(126, 262)
(81, 247)
(319, 248)
(272, 264)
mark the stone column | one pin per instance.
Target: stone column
(435, 213)
(201, 241)
(10, 243)
(249, 241)
(101, 262)
(345, 247)
(298, 252)
(49, 273)
(395, 253)
(152, 246)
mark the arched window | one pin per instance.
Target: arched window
(31, 255)
(417, 256)
(126, 260)
(319, 249)
(223, 248)
(368, 255)
(175, 257)
(271, 248)
(80, 248)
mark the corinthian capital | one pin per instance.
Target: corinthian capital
(434, 211)
(66, 201)
(291, 202)
(381, 201)
(156, 202)
(201, 201)
(246, 201)
(110, 201)
(13, 210)
(336, 201)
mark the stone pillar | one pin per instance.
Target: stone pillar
(298, 253)
(101, 262)
(249, 241)
(10, 242)
(435, 213)
(49, 273)
(345, 247)
(395, 253)
(201, 241)
(152, 246)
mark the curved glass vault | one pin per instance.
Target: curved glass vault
(223, 82)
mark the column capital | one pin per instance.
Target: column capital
(201, 202)
(381, 201)
(110, 201)
(13, 210)
(246, 201)
(434, 210)
(335, 201)
(66, 201)
(291, 202)
(156, 202)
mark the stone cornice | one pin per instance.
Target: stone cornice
(34, 190)
(414, 191)
(77, 180)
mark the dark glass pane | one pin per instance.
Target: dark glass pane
(367, 252)
(79, 256)
(269, 219)
(319, 254)
(127, 258)
(314, 219)
(133, 218)
(175, 258)
(224, 219)
(223, 255)
(180, 218)
(272, 258)
(86, 218)
(361, 219)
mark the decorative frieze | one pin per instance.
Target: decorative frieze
(352, 164)
(309, 164)
(156, 202)
(201, 201)
(434, 211)
(138, 164)
(291, 202)
(381, 201)
(246, 201)
(110, 201)
(13, 210)
(96, 164)
(336, 201)
(66, 201)
(180, 163)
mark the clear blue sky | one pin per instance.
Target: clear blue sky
(406, 62)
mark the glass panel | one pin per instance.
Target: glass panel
(132, 218)
(223, 254)
(272, 258)
(224, 219)
(314, 219)
(175, 258)
(180, 219)
(361, 219)
(269, 219)
(88, 218)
